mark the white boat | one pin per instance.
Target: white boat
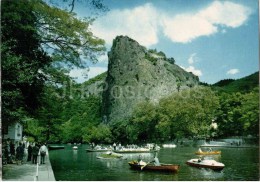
(206, 163)
(169, 145)
(75, 148)
(215, 144)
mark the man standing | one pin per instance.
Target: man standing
(35, 151)
(19, 153)
(29, 152)
(43, 152)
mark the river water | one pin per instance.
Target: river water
(79, 165)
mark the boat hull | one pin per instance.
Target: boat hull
(208, 153)
(162, 167)
(195, 163)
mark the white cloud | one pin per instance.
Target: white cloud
(195, 71)
(144, 23)
(192, 59)
(81, 75)
(232, 71)
(139, 23)
(184, 28)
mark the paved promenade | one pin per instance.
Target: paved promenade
(28, 172)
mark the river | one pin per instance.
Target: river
(79, 165)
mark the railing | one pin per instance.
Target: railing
(37, 169)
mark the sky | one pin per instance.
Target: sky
(214, 40)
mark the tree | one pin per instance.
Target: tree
(187, 113)
(141, 126)
(22, 60)
(40, 44)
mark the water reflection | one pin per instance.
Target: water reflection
(75, 155)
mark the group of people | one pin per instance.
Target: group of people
(17, 155)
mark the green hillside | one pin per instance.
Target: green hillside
(244, 84)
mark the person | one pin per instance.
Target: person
(12, 148)
(156, 160)
(139, 159)
(200, 150)
(35, 151)
(19, 153)
(43, 152)
(114, 145)
(29, 152)
(210, 150)
(199, 160)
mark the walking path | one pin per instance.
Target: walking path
(28, 172)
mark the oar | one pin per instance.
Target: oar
(144, 165)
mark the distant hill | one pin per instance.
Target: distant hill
(244, 84)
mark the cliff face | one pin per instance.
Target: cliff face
(136, 74)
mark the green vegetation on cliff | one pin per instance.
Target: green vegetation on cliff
(245, 84)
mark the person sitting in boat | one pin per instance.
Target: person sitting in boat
(210, 150)
(200, 151)
(156, 160)
(200, 159)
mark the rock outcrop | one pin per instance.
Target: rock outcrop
(136, 74)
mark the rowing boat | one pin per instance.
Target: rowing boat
(207, 163)
(151, 167)
(208, 153)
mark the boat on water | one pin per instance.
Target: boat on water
(134, 150)
(99, 149)
(152, 167)
(217, 152)
(215, 144)
(206, 163)
(75, 148)
(55, 147)
(169, 145)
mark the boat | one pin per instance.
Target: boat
(109, 155)
(152, 167)
(134, 150)
(99, 149)
(75, 148)
(169, 145)
(55, 147)
(217, 152)
(215, 144)
(206, 163)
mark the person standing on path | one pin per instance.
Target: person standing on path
(43, 152)
(35, 151)
(19, 153)
(29, 153)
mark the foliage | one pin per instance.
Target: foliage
(238, 114)
(245, 84)
(22, 61)
(65, 36)
(187, 113)
(141, 125)
(40, 43)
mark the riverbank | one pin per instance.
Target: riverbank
(28, 172)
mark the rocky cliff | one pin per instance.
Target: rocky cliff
(136, 74)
